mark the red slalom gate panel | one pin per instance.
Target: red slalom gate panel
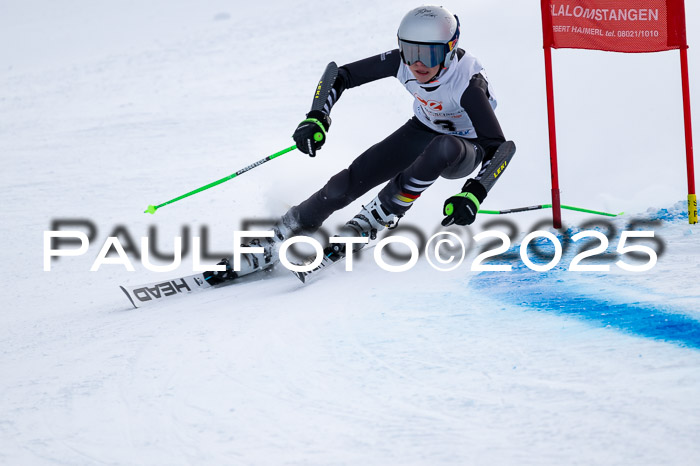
(633, 26)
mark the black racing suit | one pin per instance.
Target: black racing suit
(412, 157)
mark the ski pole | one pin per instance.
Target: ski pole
(151, 209)
(546, 206)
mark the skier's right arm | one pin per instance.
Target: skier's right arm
(350, 75)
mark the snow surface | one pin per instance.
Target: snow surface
(106, 107)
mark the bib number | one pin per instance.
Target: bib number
(447, 125)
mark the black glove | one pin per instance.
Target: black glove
(462, 208)
(310, 135)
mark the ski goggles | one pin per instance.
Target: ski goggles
(428, 54)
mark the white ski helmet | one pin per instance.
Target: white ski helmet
(428, 34)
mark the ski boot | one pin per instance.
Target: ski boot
(287, 227)
(250, 262)
(372, 219)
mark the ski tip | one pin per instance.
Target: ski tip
(151, 209)
(129, 296)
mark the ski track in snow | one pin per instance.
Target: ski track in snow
(106, 108)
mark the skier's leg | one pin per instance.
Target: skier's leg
(448, 156)
(376, 165)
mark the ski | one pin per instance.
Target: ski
(332, 255)
(141, 295)
(151, 293)
(330, 258)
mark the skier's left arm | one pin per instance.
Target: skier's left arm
(463, 207)
(476, 102)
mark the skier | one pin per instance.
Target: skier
(453, 131)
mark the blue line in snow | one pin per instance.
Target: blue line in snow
(549, 291)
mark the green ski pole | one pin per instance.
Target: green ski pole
(547, 206)
(151, 209)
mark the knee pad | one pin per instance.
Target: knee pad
(469, 157)
(338, 188)
(449, 149)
